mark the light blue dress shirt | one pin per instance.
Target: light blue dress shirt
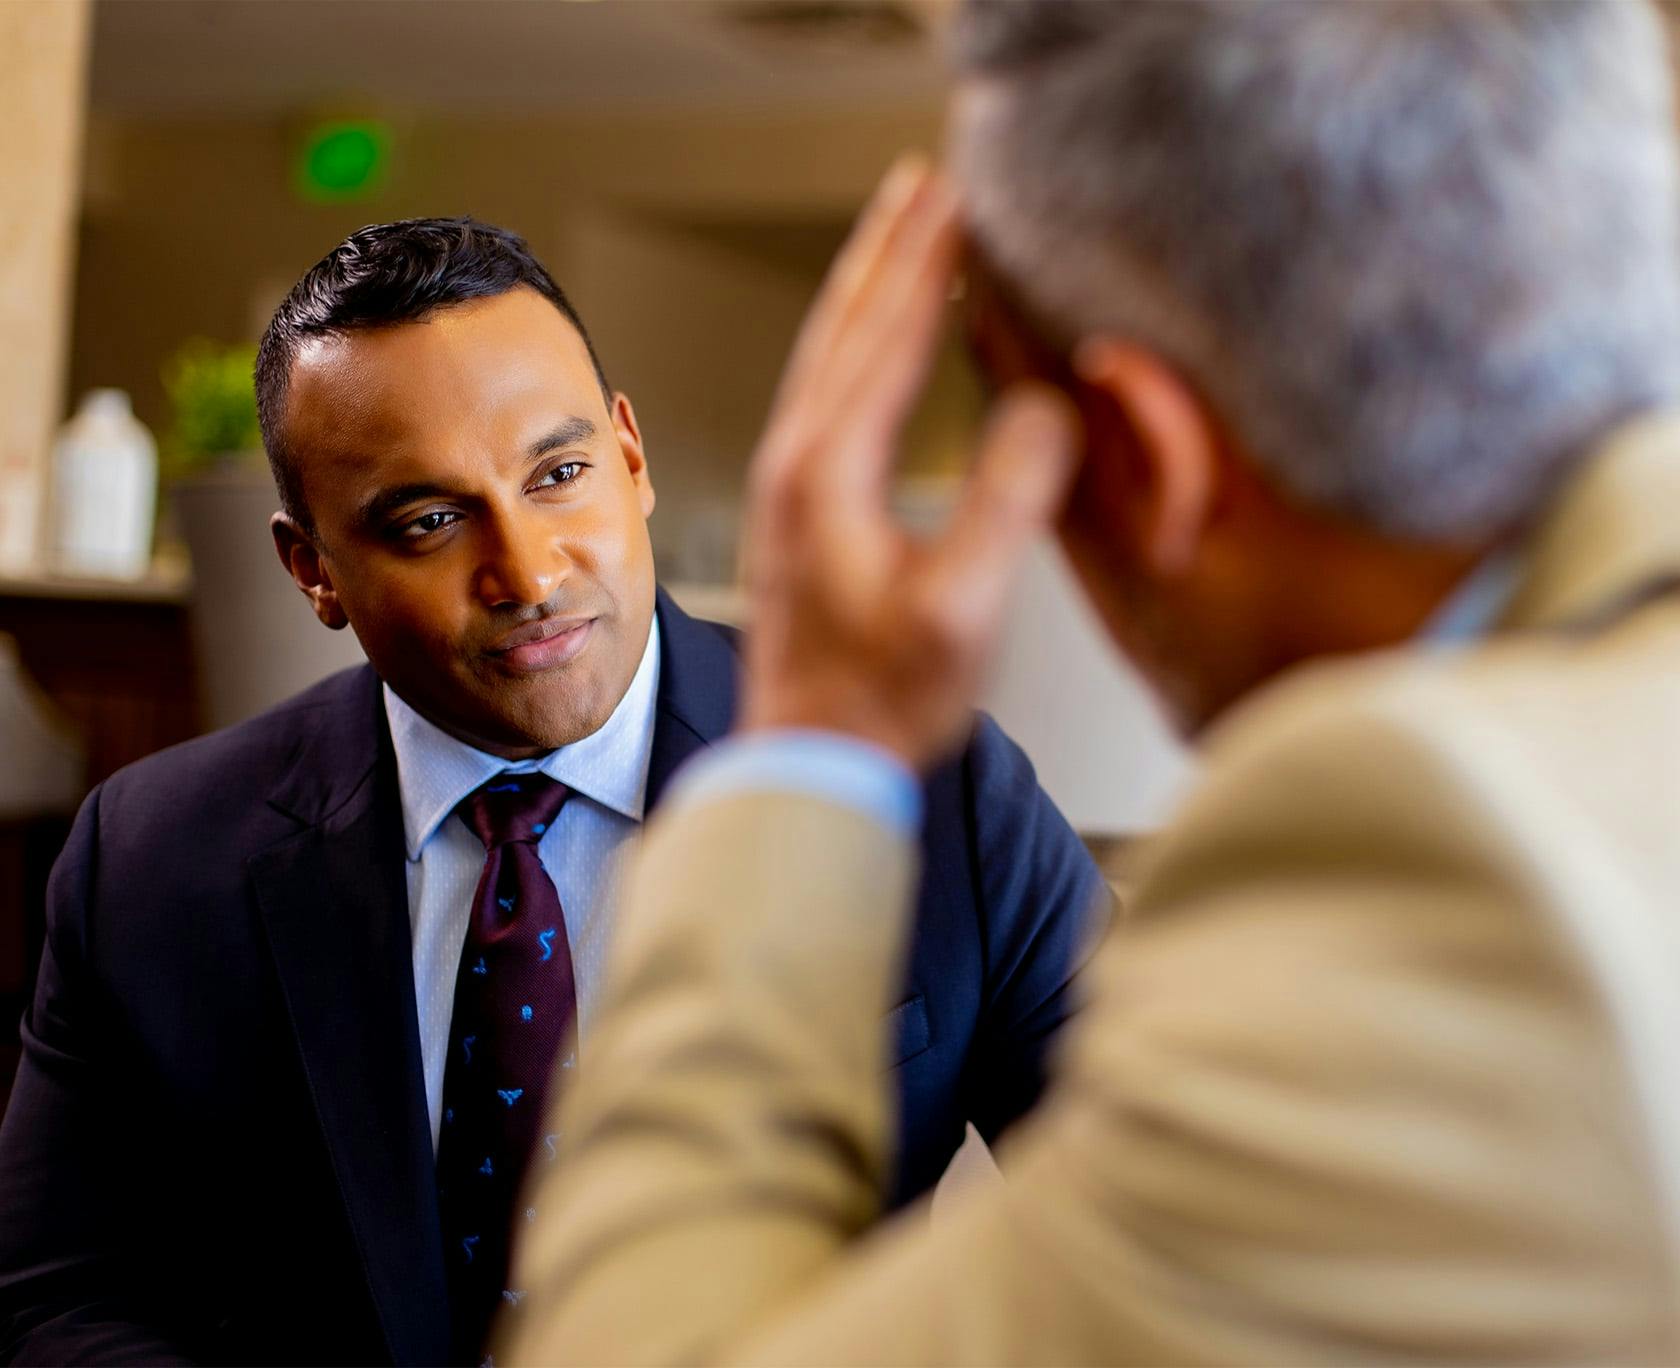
(1472, 610)
(607, 773)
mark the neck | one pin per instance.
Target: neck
(1363, 597)
(1330, 591)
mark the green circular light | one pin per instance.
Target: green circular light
(343, 160)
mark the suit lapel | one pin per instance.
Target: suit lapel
(335, 904)
(698, 669)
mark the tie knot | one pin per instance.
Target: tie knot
(513, 807)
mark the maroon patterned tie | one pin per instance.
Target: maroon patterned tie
(514, 1003)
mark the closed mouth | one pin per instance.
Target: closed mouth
(542, 644)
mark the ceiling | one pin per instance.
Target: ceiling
(178, 58)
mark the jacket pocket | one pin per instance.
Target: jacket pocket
(907, 1031)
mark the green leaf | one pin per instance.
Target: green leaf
(213, 394)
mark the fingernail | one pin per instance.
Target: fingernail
(907, 172)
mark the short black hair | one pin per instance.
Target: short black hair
(383, 274)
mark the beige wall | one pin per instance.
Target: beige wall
(42, 76)
(694, 329)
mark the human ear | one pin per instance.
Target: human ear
(1175, 439)
(308, 569)
(630, 446)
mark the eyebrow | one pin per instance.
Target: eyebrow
(386, 501)
(572, 430)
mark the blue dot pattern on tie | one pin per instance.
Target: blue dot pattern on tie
(525, 1012)
(487, 1168)
(540, 827)
(469, 1245)
(481, 967)
(506, 904)
(510, 1095)
(546, 940)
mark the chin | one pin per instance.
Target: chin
(561, 726)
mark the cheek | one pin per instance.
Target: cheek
(409, 607)
(612, 542)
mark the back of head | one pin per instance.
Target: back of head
(1416, 255)
(386, 274)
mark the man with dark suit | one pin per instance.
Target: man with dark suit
(275, 956)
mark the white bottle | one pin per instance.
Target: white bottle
(104, 490)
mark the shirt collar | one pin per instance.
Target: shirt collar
(1479, 601)
(435, 770)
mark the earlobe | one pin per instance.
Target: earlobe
(305, 564)
(1176, 438)
(630, 445)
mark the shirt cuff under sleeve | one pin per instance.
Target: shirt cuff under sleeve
(828, 765)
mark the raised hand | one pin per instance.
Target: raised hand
(858, 627)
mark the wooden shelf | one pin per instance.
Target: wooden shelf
(166, 582)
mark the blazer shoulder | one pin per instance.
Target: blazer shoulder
(1033, 876)
(999, 790)
(996, 762)
(1405, 760)
(215, 778)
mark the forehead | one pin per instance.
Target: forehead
(463, 373)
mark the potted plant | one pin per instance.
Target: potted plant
(257, 641)
(214, 407)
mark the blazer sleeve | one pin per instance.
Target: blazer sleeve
(1042, 908)
(68, 1287)
(1340, 1095)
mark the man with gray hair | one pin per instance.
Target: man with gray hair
(1335, 340)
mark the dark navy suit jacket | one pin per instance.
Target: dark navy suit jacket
(218, 1148)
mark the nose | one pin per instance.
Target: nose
(523, 563)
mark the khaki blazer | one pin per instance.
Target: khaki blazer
(1384, 1066)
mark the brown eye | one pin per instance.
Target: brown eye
(564, 473)
(427, 523)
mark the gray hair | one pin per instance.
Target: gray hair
(1417, 255)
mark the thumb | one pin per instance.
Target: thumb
(1027, 459)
